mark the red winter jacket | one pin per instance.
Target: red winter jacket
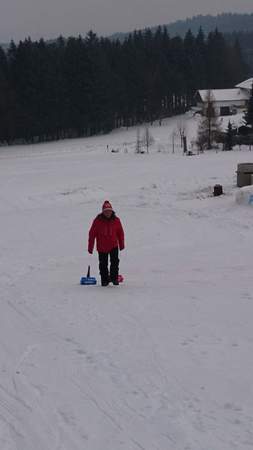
(109, 234)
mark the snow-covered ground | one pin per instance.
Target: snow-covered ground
(162, 362)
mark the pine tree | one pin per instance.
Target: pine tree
(229, 137)
(189, 71)
(236, 66)
(249, 113)
(216, 60)
(4, 91)
(200, 60)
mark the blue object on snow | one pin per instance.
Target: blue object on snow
(88, 280)
(250, 199)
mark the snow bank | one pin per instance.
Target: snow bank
(244, 196)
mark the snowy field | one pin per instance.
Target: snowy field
(162, 362)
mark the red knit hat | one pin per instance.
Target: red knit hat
(107, 206)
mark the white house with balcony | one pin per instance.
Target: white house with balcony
(226, 101)
(246, 86)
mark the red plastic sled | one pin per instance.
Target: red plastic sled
(120, 279)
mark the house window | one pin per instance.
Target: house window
(224, 111)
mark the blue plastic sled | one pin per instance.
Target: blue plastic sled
(88, 280)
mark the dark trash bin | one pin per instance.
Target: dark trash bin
(217, 190)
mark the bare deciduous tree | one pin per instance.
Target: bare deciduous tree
(173, 136)
(209, 126)
(147, 139)
(181, 127)
(138, 147)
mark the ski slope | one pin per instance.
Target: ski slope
(162, 362)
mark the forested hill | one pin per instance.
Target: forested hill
(233, 26)
(226, 23)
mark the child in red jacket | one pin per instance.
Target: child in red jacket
(109, 234)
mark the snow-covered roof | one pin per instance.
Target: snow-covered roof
(247, 84)
(221, 95)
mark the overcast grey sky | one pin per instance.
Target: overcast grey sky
(50, 18)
